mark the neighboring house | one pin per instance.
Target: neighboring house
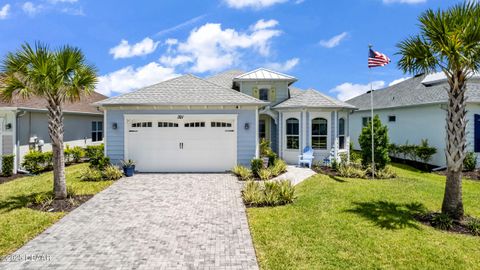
(191, 124)
(24, 125)
(415, 109)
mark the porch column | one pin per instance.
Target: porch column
(335, 135)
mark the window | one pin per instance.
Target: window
(366, 120)
(195, 124)
(392, 118)
(263, 94)
(262, 129)
(293, 138)
(220, 124)
(97, 131)
(167, 124)
(319, 133)
(341, 133)
(142, 124)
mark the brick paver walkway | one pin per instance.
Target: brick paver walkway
(150, 221)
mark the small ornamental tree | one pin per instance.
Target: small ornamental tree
(381, 142)
(425, 152)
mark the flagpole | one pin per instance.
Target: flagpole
(371, 121)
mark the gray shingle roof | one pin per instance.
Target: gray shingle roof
(183, 90)
(295, 91)
(412, 92)
(225, 78)
(312, 99)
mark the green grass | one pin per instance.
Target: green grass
(19, 224)
(339, 223)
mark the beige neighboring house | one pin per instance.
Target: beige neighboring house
(24, 125)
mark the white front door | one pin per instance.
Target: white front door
(182, 143)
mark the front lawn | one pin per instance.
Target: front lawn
(339, 223)
(18, 223)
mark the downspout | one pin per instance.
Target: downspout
(18, 114)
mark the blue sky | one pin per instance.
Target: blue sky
(137, 43)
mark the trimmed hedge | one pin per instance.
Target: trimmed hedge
(7, 165)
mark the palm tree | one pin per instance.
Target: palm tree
(449, 41)
(59, 76)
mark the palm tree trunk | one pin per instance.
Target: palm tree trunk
(55, 129)
(455, 146)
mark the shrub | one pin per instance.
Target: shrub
(380, 138)
(351, 171)
(48, 158)
(91, 174)
(286, 192)
(77, 153)
(67, 152)
(256, 166)
(7, 165)
(252, 193)
(386, 173)
(279, 167)
(473, 225)
(269, 193)
(34, 162)
(265, 174)
(425, 152)
(266, 151)
(470, 162)
(442, 221)
(93, 151)
(111, 173)
(334, 165)
(242, 172)
(43, 198)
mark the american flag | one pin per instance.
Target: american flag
(376, 59)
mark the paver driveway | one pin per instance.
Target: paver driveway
(150, 221)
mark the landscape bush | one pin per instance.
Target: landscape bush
(266, 151)
(269, 193)
(7, 165)
(442, 221)
(91, 174)
(350, 171)
(242, 172)
(424, 151)
(279, 167)
(265, 174)
(385, 173)
(36, 162)
(93, 151)
(381, 141)
(470, 162)
(473, 225)
(256, 165)
(111, 173)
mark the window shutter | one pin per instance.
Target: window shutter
(273, 94)
(255, 92)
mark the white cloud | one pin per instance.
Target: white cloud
(31, 9)
(129, 78)
(171, 41)
(175, 61)
(62, 1)
(262, 24)
(4, 11)
(125, 50)
(348, 90)
(398, 81)
(211, 48)
(255, 4)
(334, 41)
(404, 1)
(285, 66)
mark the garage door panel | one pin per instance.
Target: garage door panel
(195, 143)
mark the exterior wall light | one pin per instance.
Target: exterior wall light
(247, 126)
(8, 126)
(114, 126)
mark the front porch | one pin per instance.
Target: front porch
(326, 131)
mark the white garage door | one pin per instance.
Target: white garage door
(182, 143)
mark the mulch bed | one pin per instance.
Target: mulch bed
(11, 178)
(65, 205)
(473, 175)
(458, 226)
(325, 170)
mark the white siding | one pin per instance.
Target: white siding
(412, 124)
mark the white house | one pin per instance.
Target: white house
(415, 109)
(192, 124)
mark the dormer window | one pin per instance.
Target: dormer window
(263, 94)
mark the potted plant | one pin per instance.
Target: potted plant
(128, 167)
